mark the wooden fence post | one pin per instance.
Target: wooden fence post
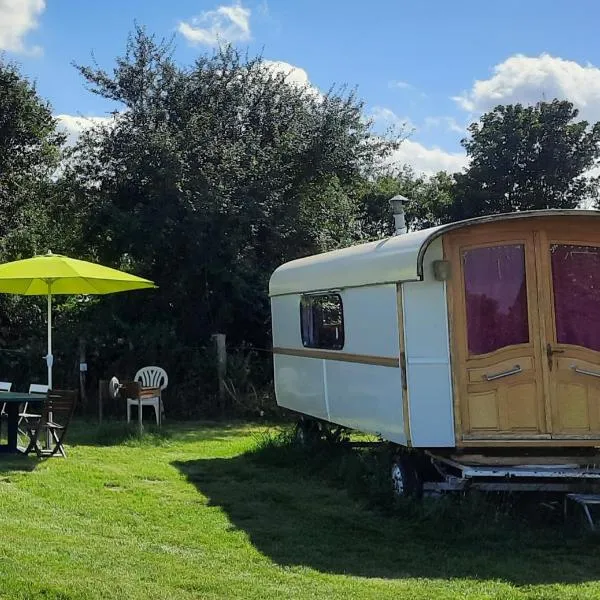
(82, 374)
(221, 352)
(102, 389)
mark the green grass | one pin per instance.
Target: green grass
(214, 511)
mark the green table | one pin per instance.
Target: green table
(13, 399)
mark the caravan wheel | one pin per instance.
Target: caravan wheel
(307, 432)
(406, 481)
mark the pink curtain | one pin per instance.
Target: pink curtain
(496, 298)
(576, 283)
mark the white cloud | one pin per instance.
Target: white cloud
(428, 161)
(386, 117)
(529, 80)
(74, 126)
(17, 18)
(224, 24)
(293, 75)
(403, 85)
(448, 123)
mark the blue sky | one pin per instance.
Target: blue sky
(434, 64)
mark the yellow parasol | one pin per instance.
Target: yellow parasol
(53, 274)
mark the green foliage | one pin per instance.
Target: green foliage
(527, 157)
(430, 200)
(209, 178)
(30, 151)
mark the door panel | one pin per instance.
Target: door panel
(573, 350)
(525, 322)
(496, 325)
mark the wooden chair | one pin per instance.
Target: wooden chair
(153, 380)
(56, 414)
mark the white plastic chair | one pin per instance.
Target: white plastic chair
(150, 377)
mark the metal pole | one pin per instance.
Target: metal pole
(49, 357)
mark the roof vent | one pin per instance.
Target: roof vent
(397, 205)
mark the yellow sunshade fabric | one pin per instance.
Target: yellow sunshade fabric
(30, 277)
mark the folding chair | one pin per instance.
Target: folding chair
(61, 405)
(5, 386)
(37, 389)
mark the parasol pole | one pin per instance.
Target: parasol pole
(49, 357)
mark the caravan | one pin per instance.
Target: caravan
(473, 345)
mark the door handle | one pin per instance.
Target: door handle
(550, 351)
(516, 369)
(585, 371)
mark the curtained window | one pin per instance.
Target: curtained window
(496, 297)
(576, 284)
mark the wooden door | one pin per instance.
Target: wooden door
(571, 293)
(497, 358)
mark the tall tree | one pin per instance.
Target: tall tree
(30, 150)
(527, 157)
(429, 198)
(210, 177)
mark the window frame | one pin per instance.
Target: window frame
(311, 297)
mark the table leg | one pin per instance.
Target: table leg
(12, 410)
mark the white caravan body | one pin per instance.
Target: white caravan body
(373, 337)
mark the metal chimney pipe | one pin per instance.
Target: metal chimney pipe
(397, 205)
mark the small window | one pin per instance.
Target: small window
(322, 321)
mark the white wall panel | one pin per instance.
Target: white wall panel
(285, 313)
(371, 321)
(367, 398)
(428, 358)
(299, 385)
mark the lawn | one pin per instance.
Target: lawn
(196, 514)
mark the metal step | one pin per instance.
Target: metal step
(535, 471)
(584, 501)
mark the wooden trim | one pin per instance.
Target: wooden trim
(509, 436)
(546, 317)
(528, 443)
(454, 355)
(363, 359)
(405, 402)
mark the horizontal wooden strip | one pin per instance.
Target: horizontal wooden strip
(363, 359)
(528, 443)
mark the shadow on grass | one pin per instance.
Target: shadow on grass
(12, 463)
(115, 433)
(300, 519)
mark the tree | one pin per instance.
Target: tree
(209, 178)
(430, 199)
(30, 151)
(527, 157)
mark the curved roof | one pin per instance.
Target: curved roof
(398, 258)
